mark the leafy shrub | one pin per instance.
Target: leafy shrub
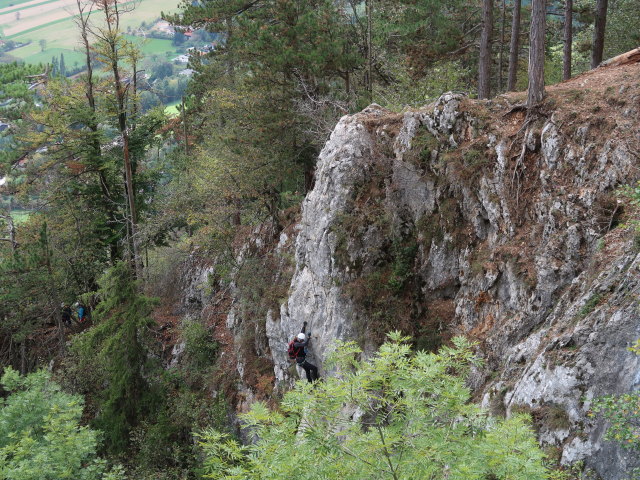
(200, 349)
(396, 416)
(40, 435)
(402, 267)
(590, 305)
(622, 412)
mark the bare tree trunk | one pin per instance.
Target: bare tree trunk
(231, 66)
(347, 87)
(237, 213)
(23, 357)
(514, 46)
(369, 8)
(568, 39)
(111, 38)
(11, 231)
(536, 54)
(184, 128)
(598, 32)
(503, 20)
(484, 68)
(134, 106)
(82, 21)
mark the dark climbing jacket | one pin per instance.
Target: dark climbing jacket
(66, 314)
(291, 350)
(301, 349)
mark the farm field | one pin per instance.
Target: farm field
(50, 24)
(31, 54)
(154, 46)
(6, 5)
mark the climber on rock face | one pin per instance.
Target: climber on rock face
(300, 345)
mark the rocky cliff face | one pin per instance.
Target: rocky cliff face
(473, 218)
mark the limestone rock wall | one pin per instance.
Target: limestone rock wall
(472, 218)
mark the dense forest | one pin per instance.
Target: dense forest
(103, 194)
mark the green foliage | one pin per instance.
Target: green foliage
(622, 412)
(402, 267)
(420, 46)
(417, 90)
(631, 193)
(590, 305)
(15, 96)
(200, 349)
(33, 285)
(623, 28)
(116, 356)
(277, 91)
(40, 435)
(16, 102)
(396, 416)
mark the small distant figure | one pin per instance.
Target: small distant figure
(82, 312)
(298, 350)
(66, 314)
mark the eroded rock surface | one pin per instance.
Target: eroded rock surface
(471, 218)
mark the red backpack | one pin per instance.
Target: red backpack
(293, 351)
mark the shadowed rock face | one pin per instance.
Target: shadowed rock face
(484, 223)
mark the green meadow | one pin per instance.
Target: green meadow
(172, 109)
(20, 216)
(154, 46)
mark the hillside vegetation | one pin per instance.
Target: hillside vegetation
(462, 248)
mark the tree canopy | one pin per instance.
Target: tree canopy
(399, 415)
(41, 437)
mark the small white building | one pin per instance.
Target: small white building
(182, 59)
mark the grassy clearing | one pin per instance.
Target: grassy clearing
(148, 10)
(62, 32)
(32, 54)
(20, 216)
(172, 109)
(70, 57)
(154, 46)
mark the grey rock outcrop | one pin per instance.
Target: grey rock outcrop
(505, 233)
(519, 276)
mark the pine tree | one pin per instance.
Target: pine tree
(536, 54)
(62, 67)
(598, 32)
(514, 45)
(55, 69)
(116, 354)
(484, 68)
(111, 47)
(567, 40)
